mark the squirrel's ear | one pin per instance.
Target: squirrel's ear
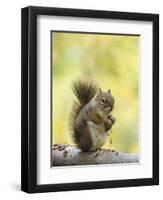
(109, 91)
(99, 91)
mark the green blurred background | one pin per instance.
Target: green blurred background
(112, 62)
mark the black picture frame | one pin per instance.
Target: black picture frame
(29, 98)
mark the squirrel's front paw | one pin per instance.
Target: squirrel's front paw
(109, 122)
(111, 119)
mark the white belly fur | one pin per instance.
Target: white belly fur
(98, 135)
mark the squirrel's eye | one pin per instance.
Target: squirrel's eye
(102, 101)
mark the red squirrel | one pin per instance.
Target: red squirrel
(91, 117)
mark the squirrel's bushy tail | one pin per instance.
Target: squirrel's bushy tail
(84, 92)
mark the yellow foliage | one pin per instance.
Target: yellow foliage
(112, 61)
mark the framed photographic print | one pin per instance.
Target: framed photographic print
(90, 99)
